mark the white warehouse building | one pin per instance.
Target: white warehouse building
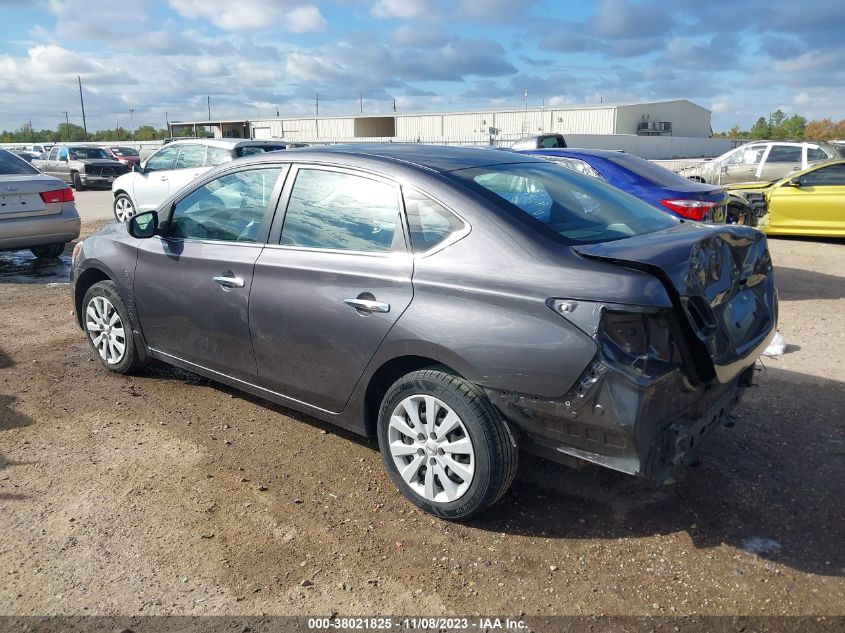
(659, 118)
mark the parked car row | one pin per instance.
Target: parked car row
(459, 305)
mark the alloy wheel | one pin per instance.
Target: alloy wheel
(431, 448)
(104, 326)
(123, 209)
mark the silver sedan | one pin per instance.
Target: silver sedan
(36, 211)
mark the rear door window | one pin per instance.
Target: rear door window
(784, 154)
(217, 155)
(816, 153)
(430, 222)
(190, 156)
(341, 211)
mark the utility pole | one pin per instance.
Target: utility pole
(132, 123)
(31, 132)
(277, 112)
(82, 104)
(394, 104)
(208, 99)
(526, 98)
(361, 101)
(67, 126)
(317, 103)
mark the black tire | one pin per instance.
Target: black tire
(77, 181)
(123, 199)
(131, 360)
(496, 453)
(47, 251)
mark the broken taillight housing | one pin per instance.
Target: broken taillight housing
(636, 337)
(689, 209)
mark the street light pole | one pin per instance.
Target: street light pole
(67, 126)
(132, 123)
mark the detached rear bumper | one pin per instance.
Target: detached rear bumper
(634, 424)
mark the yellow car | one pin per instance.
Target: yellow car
(807, 202)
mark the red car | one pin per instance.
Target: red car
(125, 155)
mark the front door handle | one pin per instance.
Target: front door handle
(164, 177)
(229, 282)
(365, 305)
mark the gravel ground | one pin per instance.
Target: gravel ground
(165, 493)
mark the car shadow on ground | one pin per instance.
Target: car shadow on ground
(794, 284)
(772, 486)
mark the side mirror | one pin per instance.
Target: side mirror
(143, 225)
(137, 168)
(794, 182)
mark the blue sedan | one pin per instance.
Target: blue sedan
(656, 185)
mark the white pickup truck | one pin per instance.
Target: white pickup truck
(81, 166)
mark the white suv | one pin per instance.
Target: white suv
(175, 165)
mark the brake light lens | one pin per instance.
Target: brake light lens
(57, 195)
(690, 209)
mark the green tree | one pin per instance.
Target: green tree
(70, 133)
(760, 129)
(792, 128)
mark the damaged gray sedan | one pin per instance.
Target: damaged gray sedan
(458, 305)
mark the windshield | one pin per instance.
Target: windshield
(124, 151)
(88, 152)
(646, 170)
(563, 204)
(249, 150)
(11, 164)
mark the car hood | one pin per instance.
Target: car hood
(101, 162)
(721, 282)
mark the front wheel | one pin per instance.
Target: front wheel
(77, 181)
(108, 328)
(444, 445)
(123, 208)
(48, 250)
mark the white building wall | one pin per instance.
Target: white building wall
(523, 123)
(687, 118)
(419, 126)
(471, 125)
(584, 121)
(336, 127)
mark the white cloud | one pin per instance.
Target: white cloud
(253, 14)
(401, 9)
(305, 18)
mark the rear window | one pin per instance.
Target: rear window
(88, 153)
(249, 150)
(562, 204)
(125, 151)
(646, 170)
(13, 165)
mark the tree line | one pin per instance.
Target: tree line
(72, 133)
(777, 126)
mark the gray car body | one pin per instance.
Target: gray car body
(477, 305)
(26, 220)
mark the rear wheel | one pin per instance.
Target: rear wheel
(123, 208)
(48, 250)
(109, 329)
(77, 181)
(444, 445)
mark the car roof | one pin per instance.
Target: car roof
(228, 143)
(439, 158)
(561, 151)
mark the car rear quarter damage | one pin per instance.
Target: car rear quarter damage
(662, 377)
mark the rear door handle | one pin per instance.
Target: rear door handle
(164, 177)
(365, 305)
(229, 282)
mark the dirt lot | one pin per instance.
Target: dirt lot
(164, 493)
